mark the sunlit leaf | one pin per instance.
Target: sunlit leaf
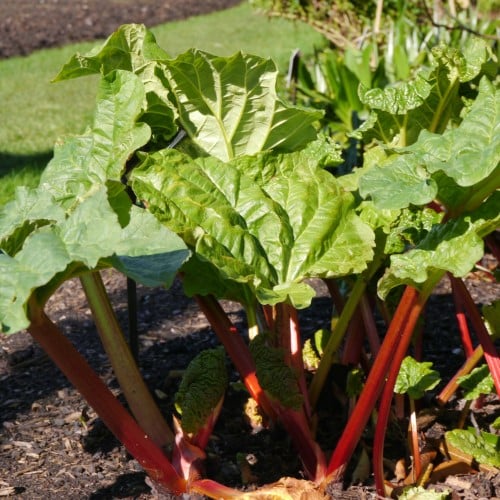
(415, 378)
(229, 106)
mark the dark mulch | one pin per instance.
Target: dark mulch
(52, 445)
(27, 25)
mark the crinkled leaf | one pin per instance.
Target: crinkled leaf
(471, 152)
(269, 221)
(414, 378)
(454, 246)
(397, 99)
(203, 385)
(398, 183)
(229, 106)
(101, 153)
(275, 377)
(478, 381)
(428, 102)
(468, 155)
(484, 447)
(129, 48)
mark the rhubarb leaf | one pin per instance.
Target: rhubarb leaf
(478, 381)
(129, 48)
(428, 102)
(31, 208)
(101, 153)
(230, 107)
(483, 447)
(415, 378)
(454, 246)
(275, 377)
(269, 221)
(202, 387)
(88, 237)
(451, 166)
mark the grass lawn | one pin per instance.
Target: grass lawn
(34, 113)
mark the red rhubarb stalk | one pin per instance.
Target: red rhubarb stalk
(102, 400)
(461, 320)
(401, 347)
(294, 422)
(490, 352)
(374, 383)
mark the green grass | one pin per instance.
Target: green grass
(34, 113)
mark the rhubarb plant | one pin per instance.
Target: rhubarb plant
(195, 167)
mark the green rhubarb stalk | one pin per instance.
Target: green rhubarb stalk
(102, 400)
(336, 338)
(129, 377)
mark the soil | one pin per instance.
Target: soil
(52, 445)
(27, 25)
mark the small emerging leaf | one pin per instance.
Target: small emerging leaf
(478, 382)
(275, 377)
(203, 386)
(484, 447)
(414, 378)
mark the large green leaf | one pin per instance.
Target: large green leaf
(88, 237)
(229, 106)
(129, 48)
(454, 247)
(30, 208)
(101, 153)
(147, 251)
(269, 221)
(451, 166)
